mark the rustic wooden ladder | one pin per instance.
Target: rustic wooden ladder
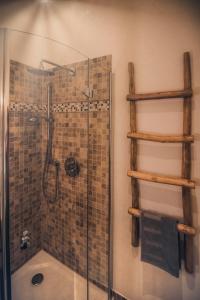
(186, 139)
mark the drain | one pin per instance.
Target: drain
(37, 279)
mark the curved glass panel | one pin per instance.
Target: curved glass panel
(58, 162)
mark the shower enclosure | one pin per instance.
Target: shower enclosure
(55, 133)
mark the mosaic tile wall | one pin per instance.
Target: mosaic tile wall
(24, 185)
(25, 159)
(65, 222)
(98, 196)
(25, 84)
(69, 87)
(98, 170)
(84, 199)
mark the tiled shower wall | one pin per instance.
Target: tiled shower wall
(24, 162)
(65, 221)
(81, 129)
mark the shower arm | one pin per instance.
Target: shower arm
(72, 70)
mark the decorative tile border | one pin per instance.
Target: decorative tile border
(70, 107)
(84, 106)
(24, 107)
(102, 105)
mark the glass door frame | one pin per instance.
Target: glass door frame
(5, 283)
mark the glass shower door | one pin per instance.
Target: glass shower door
(1, 161)
(5, 290)
(48, 139)
(59, 169)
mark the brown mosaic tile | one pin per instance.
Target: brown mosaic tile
(79, 220)
(98, 196)
(64, 232)
(24, 185)
(68, 87)
(25, 84)
(99, 77)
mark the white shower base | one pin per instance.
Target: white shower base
(60, 282)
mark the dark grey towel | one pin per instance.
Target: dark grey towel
(160, 242)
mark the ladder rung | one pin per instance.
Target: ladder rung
(161, 137)
(172, 180)
(161, 95)
(180, 227)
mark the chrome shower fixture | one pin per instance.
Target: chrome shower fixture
(34, 120)
(49, 160)
(25, 240)
(71, 70)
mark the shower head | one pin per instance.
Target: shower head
(71, 70)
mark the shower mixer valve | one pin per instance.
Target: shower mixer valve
(72, 167)
(25, 240)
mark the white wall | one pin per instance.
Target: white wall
(153, 34)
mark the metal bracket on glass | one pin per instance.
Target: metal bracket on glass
(88, 92)
(72, 70)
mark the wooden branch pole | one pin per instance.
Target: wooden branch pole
(160, 95)
(180, 227)
(162, 179)
(133, 158)
(186, 164)
(161, 138)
